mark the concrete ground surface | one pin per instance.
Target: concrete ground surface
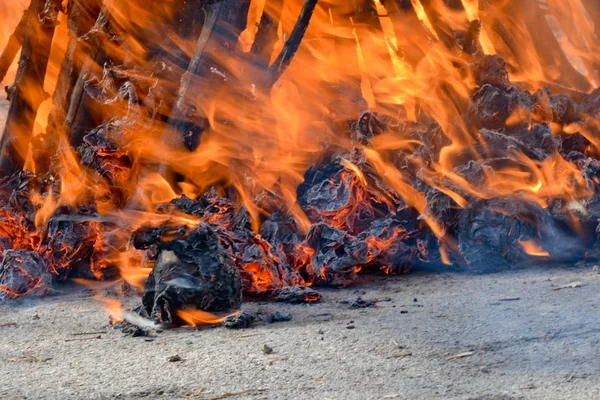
(503, 336)
(527, 334)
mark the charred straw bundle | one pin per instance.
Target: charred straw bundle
(206, 151)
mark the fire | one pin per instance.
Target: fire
(113, 308)
(533, 249)
(302, 142)
(195, 317)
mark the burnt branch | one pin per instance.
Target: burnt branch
(441, 28)
(27, 93)
(14, 45)
(472, 45)
(266, 37)
(223, 22)
(290, 48)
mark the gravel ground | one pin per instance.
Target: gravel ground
(520, 338)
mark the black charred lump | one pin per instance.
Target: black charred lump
(491, 232)
(390, 245)
(491, 107)
(242, 320)
(537, 143)
(192, 272)
(560, 108)
(590, 105)
(104, 156)
(68, 241)
(369, 125)
(297, 295)
(337, 254)
(281, 231)
(23, 273)
(490, 70)
(343, 189)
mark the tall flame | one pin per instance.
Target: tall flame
(141, 131)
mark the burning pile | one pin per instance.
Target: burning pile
(190, 151)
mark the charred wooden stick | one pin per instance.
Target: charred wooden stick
(406, 24)
(14, 45)
(80, 117)
(472, 45)
(27, 93)
(223, 22)
(290, 48)
(266, 37)
(442, 29)
(81, 17)
(548, 48)
(84, 338)
(211, 16)
(88, 333)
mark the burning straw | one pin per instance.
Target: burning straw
(203, 152)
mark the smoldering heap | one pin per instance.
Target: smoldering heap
(521, 186)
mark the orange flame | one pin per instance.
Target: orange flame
(259, 142)
(533, 248)
(195, 317)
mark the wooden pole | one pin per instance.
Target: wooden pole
(14, 44)
(27, 93)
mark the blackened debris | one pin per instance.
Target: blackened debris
(359, 302)
(135, 331)
(192, 272)
(280, 316)
(492, 107)
(297, 295)
(68, 241)
(107, 158)
(491, 232)
(560, 109)
(242, 320)
(267, 349)
(590, 105)
(344, 190)
(337, 254)
(391, 247)
(23, 273)
(270, 317)
(281, 232)
(490, 70)
(369, 125)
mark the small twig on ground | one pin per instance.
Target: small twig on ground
(236, 394)
(248, 335)
(29, 358)
(87, 333)
(3, 324)
(571, 285)
(402, 355)
(83, 338)
(194, 394)
(460, 355)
